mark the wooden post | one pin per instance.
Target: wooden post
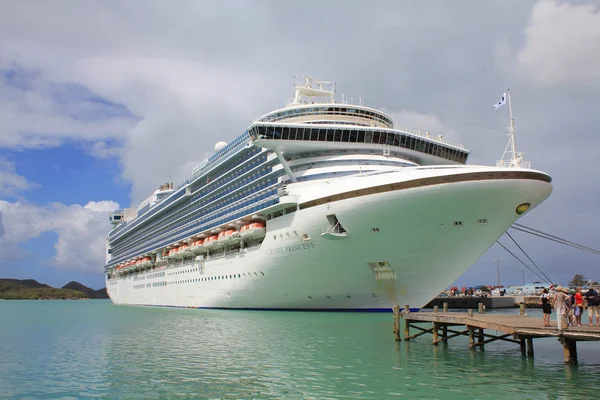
(480, 338)
(396, 323)
(480, 308)
(529, 346)
(522, 308)
(435, 309)
(406, 324)
(471, 338)
(445, 305)
(570, 350)
(445, 334)
(470, 312)
(436, 326)
(522, 343)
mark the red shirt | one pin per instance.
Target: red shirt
(578, 299)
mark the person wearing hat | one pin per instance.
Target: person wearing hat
(561, 309)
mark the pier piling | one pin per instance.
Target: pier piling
(570, 350)
(529, 341)
(397, 318)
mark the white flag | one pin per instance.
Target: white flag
(501, 102)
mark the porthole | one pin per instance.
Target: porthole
(348, 297)
(373, 295)
(239, 276)
(310, 297)
(329, 297)
(255, 274)
(262, 273)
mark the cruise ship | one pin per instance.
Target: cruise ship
(320, 205)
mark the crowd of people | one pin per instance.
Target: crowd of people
(570, 306)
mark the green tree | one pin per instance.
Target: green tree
(578, 280)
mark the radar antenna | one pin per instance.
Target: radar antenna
(312, 88)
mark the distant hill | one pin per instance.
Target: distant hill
(29, 289)
(90, 293)
(28, 283)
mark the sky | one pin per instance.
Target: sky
(101, 102)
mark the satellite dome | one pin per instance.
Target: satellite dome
(220, 145)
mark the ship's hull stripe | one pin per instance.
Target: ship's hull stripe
(429, 181)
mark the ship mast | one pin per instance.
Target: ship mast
(510, 157)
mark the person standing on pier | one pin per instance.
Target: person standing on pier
(593, 301)
(546, 307)
(578, 306)
(561, 309)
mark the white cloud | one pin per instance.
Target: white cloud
(11, 182)
(562, 43)
(81, 231)
(410, 119)
(38, 113)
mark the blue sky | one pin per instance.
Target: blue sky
(94, 118)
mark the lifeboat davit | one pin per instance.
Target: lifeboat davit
(254, 230)
(211, 242)
(197, 246)
(229, 236)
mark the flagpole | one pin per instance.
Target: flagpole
(512, 131)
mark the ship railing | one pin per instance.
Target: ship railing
(511, 164)
(427, 135)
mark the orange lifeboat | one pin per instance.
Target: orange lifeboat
(197, 246)
(145, 262)
(173, 252)
(229, 236)
(254, 230)
(211, 242)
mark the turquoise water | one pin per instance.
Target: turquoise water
(80, 349)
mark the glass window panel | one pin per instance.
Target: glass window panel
(337, 135)
(329, 133)
(346, 136)
(353, 135)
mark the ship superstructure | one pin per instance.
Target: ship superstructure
(319, 205)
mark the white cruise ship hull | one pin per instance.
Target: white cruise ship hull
(404, 243)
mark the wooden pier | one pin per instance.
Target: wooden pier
(517, 329)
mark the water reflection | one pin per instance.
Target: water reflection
(96, 349)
